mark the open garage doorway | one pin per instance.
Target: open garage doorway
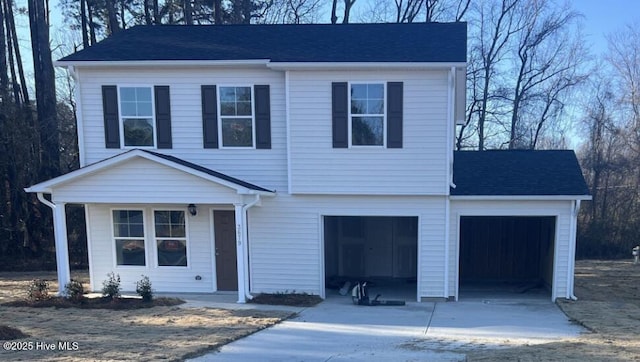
(382, 250)
(506, 255)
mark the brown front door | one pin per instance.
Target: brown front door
(224, 225)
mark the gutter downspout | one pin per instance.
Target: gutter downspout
(245, 246)
(447, 207)
(572, 250)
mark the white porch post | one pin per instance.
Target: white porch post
(62, 246)
(240, 239)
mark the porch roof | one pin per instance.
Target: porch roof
(240, 186)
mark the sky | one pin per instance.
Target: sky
(603, 17)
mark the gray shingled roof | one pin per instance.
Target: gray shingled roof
(416, 42)
(208, 171)
(518, 172)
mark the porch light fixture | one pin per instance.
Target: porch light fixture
(192, 209)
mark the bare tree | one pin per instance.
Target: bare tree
(499, 21)
(546, 63)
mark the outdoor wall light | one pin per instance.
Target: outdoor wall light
(192, 209)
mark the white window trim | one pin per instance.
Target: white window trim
(384, 116)
(253, 117)
(155, 239)
(144, 238)
(153, 116)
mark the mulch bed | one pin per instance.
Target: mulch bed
(8, 333)
(292, 299)
(96, 303)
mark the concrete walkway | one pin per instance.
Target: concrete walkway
(337, 330)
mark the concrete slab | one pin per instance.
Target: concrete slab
(337, 330)
(497, 321)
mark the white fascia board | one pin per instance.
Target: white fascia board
(522, 198)
(362, 65)
(162, 63)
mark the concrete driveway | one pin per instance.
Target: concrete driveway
(337, 330)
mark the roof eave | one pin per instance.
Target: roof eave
(162, 63)
(521, 197)
(363, 65)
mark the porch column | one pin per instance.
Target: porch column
(62, 246)
(240, 239)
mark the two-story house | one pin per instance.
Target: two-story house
(272, 158)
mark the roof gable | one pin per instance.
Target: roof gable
(415, 42)
(241, 187)
(518, 173)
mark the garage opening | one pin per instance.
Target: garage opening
(382, 250)
(506, 254)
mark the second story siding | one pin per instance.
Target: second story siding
(264, 167)
(418, 167)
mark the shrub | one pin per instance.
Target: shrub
(38, 290)
(111, 286)
(74, 291)
(143, 288)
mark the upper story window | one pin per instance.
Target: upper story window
(367, 114)
(237, 122)
(137, 116)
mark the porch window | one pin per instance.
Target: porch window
(128, 232)
(171, 237)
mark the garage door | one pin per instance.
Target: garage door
(503, 250)
(369, 247)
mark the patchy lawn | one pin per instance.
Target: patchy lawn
(159, 333)
(608, 305)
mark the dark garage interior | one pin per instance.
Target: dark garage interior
(510, 254)
(382, 250)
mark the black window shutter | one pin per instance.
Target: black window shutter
(163, 116)
(263, 116)
(111, 116)
(394, 114)
(340, 114)
(209, 116)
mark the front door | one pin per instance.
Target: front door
(224, 225)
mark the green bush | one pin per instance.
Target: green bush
(111, 286)
(38, 290)
(143, 288)
(74, 291)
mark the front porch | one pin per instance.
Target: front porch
(180, 224)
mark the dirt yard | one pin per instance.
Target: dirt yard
(159, 333)
(608, 305)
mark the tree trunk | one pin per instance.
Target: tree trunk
(112, 17)
(92, 25)
(4, 71)
(16, 48)
(44, 77)
(83, 24)
(217, 12)
(156, 13)
(188, 12)
(334, 17)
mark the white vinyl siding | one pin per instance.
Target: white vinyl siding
(143, 181)
(418, 168)
(163, 279)
(266, 168)
(286, 242)
(560, 209)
